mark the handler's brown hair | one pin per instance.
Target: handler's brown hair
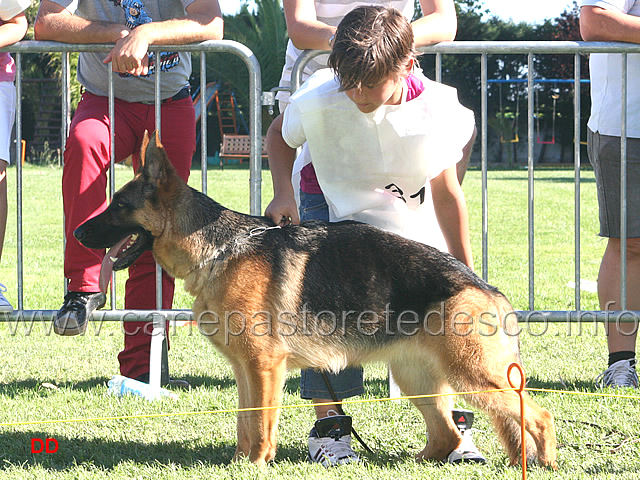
(371, 44)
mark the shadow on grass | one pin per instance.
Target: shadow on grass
(570, 385)
(102, 453)
(72, 452)
(15, 389)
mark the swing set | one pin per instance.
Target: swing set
(537, 114)
(555, 95)
(515, 138)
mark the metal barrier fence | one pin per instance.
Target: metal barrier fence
(255, 121)
(483, 49)
(258, 98)
(158, 342)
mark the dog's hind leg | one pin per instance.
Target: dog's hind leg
(261, 389)
(504, 407)
(444, 436)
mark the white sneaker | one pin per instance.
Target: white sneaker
(5, 306)
(330, 441)
(467, 451)
(620, 374)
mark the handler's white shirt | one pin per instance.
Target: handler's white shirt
(376, 168)
(606, 81)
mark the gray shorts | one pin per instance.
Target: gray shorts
(604, 154)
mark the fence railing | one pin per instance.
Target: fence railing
(255, 121)
(483, 49)
(255, 176)
(258, 98)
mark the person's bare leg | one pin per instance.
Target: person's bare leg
(3, 203)
(323, 411)
(620, 337)
(463, 164)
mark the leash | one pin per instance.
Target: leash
(338, 406)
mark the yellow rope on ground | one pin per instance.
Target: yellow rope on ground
(238, 410)
(305, 405)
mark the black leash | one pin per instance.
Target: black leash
(334, 397)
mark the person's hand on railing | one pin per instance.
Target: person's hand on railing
(129, 55)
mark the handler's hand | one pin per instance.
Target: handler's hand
(129, 55)
(283, 211)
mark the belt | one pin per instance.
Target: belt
(184, 93)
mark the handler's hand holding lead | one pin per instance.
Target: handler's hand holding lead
(284, 221)
(282, 213)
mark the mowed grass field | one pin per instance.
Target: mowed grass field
(55, 387)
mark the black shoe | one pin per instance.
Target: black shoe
(330, 441)
(77, 307)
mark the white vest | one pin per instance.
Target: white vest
(376, 168)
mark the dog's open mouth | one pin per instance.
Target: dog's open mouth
(122, 255)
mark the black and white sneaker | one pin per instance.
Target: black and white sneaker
(467, 451)
(620, 374)
(330, 441)
(76, 309)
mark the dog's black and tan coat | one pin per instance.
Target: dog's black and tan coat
(325, 296)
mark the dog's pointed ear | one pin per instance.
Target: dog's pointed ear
(143, 150)
(153, 157)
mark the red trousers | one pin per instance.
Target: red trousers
(84, 183)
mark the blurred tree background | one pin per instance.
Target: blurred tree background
(260, 25)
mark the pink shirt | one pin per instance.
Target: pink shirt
(308, 179)
(8, 10)
(7, 68)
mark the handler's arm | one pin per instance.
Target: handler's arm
(303, 27)
(281, 158)
(451, 212)
(608, 25)
(54, 22)
(203, 21)
(438, 23)
(13, 30)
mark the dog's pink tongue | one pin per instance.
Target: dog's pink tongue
(107, 264)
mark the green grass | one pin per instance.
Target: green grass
(598, 436)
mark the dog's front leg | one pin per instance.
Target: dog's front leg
(243, 423)
(260, 384)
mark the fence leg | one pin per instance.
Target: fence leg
(158, 353)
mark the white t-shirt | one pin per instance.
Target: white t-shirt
(606, 83)
(377, 167)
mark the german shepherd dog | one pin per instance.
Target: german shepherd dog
(325, 296)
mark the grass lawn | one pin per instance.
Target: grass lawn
(45, 377)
